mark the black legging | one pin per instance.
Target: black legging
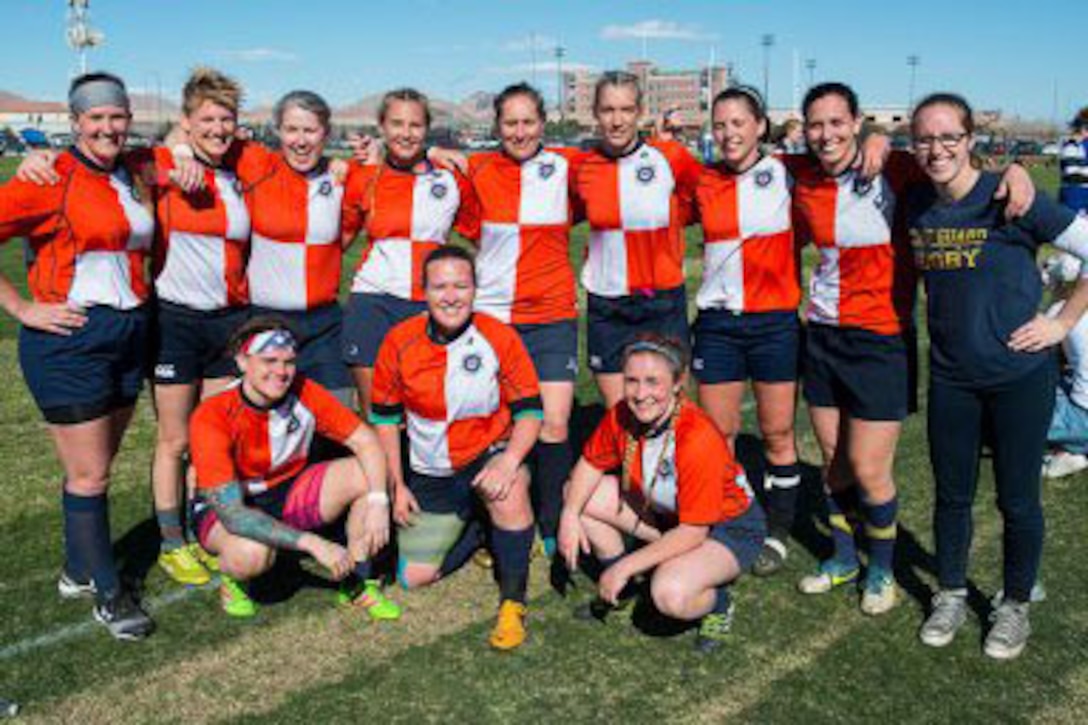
(1017, 415)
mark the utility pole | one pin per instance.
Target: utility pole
(767, 41)
(912, 61)
(810, 66)
(560, 51)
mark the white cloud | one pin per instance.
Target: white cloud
(653, 30)
(528, 42)
(258, 55)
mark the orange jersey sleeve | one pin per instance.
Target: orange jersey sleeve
(353, 208)
(705, 472)
(29, 210)
(517, 377)
(605, 448)
(211, 443)
(334, 419)
(251, 161)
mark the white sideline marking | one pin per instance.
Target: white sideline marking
(73, 631)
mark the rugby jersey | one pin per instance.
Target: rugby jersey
(295, 252)
(864, 277)
(749, 258)
(459, 396)
(698, 480)
(87, 237)
(635, 205)
(406, 216)
(201, 240)
(523, 269)
(231, 439)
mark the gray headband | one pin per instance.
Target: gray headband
(99, 92)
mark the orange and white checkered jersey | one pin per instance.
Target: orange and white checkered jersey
(696, 478)
(865, 275)
(87, 237)
(201, 240)
(406, 215)
(459, 398)
(231, 439)
(295, 252)
(523, 266)
(636, 206)
(749, 256)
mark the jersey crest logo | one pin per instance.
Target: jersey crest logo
(862, 186)
(546, 171)
(439, 190)
(764, 178)
(325, 189)
(472, 363)
(645, 174)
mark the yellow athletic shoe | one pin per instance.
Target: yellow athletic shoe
(181, 566)
(210, 561)
(509, 631)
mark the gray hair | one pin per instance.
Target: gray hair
(617, 78)
(307, 101)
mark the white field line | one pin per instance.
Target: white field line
(74, 631)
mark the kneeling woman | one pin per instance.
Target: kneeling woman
(680, 493)
(257, 493)
(470, 394)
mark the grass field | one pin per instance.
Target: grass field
(791, 659)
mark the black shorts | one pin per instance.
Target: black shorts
(97, 369)
(318, 332)
(451, 494)
(613, 322)
(731, 347)
(369, 317)
(744, 535)
(188, 346)
(553, 347)
(866, 375)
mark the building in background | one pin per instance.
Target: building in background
(687, 91)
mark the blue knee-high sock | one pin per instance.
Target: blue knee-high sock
(842, 531)
(880, 530)
(87, 532)
(721, 600)
(463, 549)
(512, 550)
(362, 570)
(75, 564)
(553, 464)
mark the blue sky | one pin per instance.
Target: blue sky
(1025, 58)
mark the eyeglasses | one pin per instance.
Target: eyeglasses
(947, 141)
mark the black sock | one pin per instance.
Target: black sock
(87, 529)
(75, 564)
(512, 550)
(721, 600)
(463, 549)
(553, 464)
(362, 570)
(783, 483)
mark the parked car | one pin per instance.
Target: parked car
(34, 138)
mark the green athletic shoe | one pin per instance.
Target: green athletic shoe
(234, 599)
(368, 595)
(714, 630)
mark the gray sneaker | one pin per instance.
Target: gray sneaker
(1010, 632)
(948, 615)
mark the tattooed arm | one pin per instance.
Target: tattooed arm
(251, 523)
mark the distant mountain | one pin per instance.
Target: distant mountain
(473, 110)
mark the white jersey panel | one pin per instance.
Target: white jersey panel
(496, 269)
(277, 274)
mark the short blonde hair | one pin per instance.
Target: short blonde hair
(208, 84)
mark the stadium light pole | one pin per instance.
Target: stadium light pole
(560, 51)
(912, 61)
(767, 42)
(810, 66)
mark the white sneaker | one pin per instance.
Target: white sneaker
(1062, 463)
(1009, 635)
(948, 614)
